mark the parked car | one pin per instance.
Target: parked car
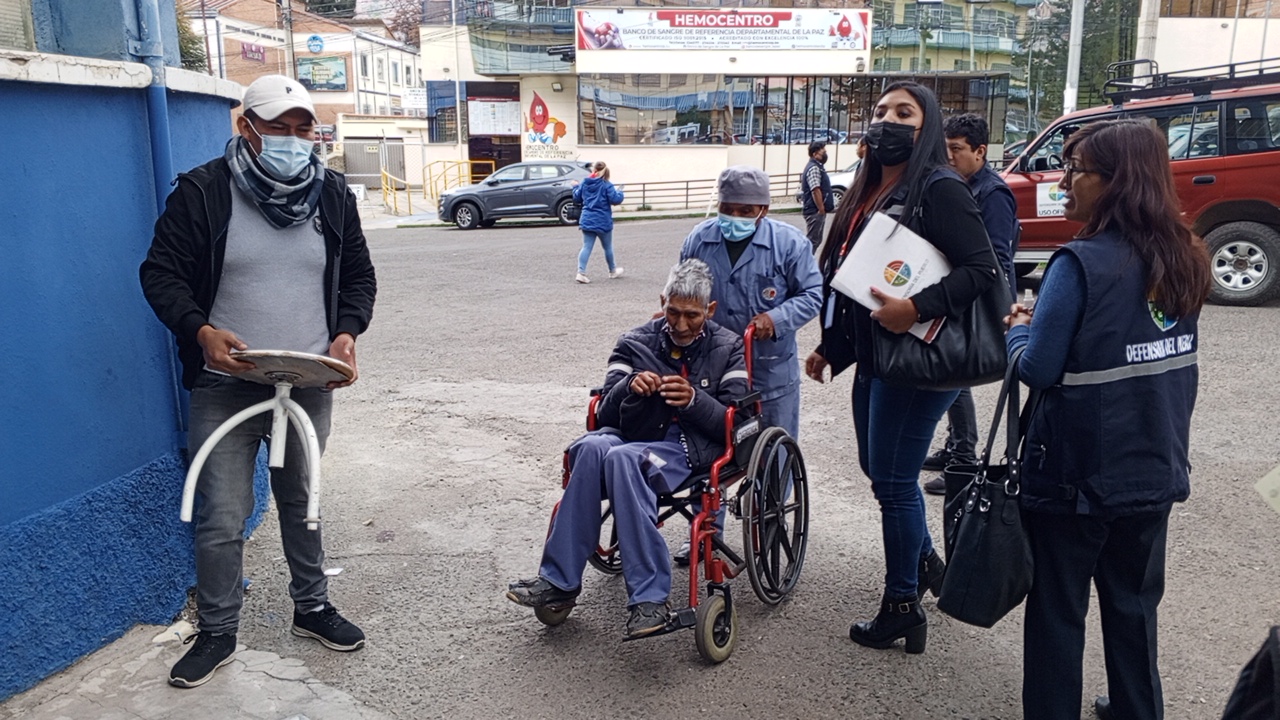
(526, 189)
(1224, 146)
(842, 180)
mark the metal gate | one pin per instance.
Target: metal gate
(367, 157)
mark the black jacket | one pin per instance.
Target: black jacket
(716, 368)
(184, 265)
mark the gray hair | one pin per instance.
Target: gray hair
(690, 280)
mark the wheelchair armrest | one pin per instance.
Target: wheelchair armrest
(597, 391)
(750, 398)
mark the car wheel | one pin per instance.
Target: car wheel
(837, 195)
(1244, 258)
(1024, 269)
(466, 215)
(562, 212)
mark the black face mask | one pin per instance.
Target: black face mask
(891, 142)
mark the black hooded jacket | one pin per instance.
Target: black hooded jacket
(184, 265)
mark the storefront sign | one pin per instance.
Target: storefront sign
(323, 73)
(1050, 200)
(315, 44)
(739, 30)
(414, 98)
(546, 129)
(253, 53)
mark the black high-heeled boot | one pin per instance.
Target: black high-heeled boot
(898, 618)
(931, 572)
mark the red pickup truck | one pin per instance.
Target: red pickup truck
(1224, 143)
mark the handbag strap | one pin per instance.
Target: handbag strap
(1007, 405)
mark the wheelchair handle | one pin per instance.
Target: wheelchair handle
(748, 341)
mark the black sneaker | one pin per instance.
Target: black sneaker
(209, 653)
(681, 556)
(331, 629)
(938, 461)
(538, 592)
(647, 618)
(936, 486)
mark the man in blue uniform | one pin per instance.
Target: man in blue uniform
(764, 275)
(967, 137)
(662, 412)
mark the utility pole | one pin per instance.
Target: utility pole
(286, 20)
(1071, 92)
(1148, 23)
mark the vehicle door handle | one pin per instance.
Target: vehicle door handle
(1204, 179)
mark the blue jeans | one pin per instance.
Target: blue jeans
(631, 475)
(589, 242)
(894, 426)
(224, 495)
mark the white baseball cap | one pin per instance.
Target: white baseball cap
(270, 96)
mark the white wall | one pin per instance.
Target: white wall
(448, 46)
(1189, 43)
(559, 139)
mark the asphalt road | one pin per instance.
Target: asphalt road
(444, 464)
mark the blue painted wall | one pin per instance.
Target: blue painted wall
(99, 28)
(91, 478)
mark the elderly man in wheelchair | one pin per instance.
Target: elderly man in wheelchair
(664, 423)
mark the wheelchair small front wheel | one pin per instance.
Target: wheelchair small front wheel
(716, 632)
(552, 616)
(775, 516)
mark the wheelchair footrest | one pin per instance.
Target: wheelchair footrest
(678, 620)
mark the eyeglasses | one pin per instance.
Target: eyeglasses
(1073, 169)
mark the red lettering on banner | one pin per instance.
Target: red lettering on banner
(722, 18)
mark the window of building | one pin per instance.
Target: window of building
(916, 67)
(961, 65)
(887, 64)
(677, 80)
(381, 69)
(648, 81)
(15, 25)
(395, 73)
(364, 66)
(1218, 8)
(934, 17)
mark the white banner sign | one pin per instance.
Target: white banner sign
(736, 29)
(414, 99)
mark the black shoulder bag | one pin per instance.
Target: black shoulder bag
(989, 563)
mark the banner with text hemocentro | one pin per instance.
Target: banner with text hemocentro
(732, 41)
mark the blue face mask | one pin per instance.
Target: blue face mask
(736, 229)
(284, 156)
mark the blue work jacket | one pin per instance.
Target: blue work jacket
(597, 195)
(776, 274)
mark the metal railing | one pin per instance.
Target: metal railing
(391, 193)
(698, 194)
(441, 175)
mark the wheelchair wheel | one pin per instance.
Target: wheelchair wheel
(775, 516)
(716, 633)
(606, 558)
(552, 617)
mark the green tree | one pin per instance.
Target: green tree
(1110, 35)
(190, 44)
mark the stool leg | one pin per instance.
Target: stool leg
(307, 431)
(279, 427)
(193, 473)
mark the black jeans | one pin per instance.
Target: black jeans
(962, 429)
(1125, 558)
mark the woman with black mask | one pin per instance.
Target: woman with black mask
(906, 176)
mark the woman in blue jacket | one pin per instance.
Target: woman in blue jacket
(597, 196)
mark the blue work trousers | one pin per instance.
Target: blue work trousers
(784, 412)
(589, 242)
(895, 426)
(631, 476)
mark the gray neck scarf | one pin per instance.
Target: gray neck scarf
(284, 204)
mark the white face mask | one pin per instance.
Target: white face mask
(284, 156)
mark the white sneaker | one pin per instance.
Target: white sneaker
(615, 274)
(582, 278)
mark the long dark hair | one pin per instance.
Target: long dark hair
(1141, 204)
(928, 154)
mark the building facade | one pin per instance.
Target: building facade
(348, 69)
(511, 81)
(1189, 34)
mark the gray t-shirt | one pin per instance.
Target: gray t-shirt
(271, 294)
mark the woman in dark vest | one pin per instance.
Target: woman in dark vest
(1113, 348)
(905, 175)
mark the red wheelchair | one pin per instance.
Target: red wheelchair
(764, 467)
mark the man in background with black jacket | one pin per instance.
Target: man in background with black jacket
(967, 136)
(815, 192)
(261, 248)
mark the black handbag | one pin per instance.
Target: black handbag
(967, 351)
(989, 562)
(574, 211)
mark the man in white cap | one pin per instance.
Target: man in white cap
(764, 275)
(260, 248)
